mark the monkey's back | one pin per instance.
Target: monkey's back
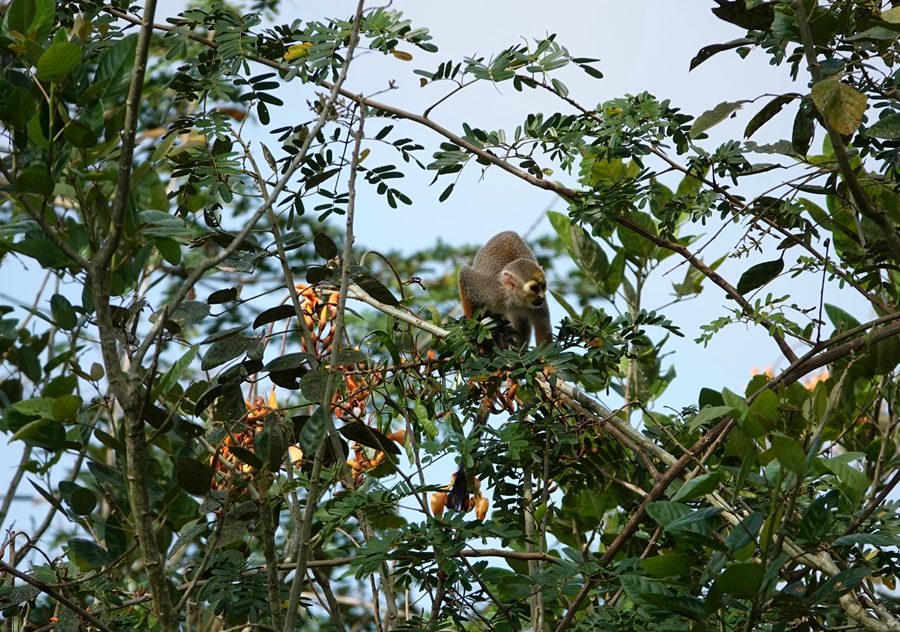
(503, 248)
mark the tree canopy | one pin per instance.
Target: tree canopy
(237, 417)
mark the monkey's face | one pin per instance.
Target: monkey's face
(534, 292)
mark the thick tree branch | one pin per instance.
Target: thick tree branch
(129, 133)
(331, 375)
(47, 590)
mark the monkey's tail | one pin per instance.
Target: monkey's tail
(458, 496)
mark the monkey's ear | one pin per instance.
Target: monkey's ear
(509, 280)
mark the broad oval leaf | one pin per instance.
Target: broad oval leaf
(325, 246)
(80, 135)
(313, 433)
(666, 565)
(63, 313)
(376, 289)
(274, 314)
(742, 580)
(89, 554)
(715, 116)
(789, 453)
(369, 437)
(842, 106)
(769, 110)
(194, 477)
(58, 62)
(697, 487)
(760, 274)
(885, 127)
(222, 351)
(82, 501)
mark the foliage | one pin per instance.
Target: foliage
(232, 445)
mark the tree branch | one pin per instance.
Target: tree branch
(129, 132)
(68, 603)
(861, 200)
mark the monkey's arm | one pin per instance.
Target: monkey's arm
(543, 330)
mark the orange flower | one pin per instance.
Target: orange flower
(259, 408)
(438, 502)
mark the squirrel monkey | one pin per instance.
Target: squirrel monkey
(506, 279)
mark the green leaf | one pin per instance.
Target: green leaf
(667, 565)
(840, 584)
(560, 88)
(20, 107)
(28, 430)
(425, 419)
(114, 69)
(247, 456)
(745, 532)
(347, 357)
(804, 128)
(708, 51)
(369, 437)
(44, 17)
(665, 512)
(274, 314)
(58, 62)
(841, 320)
(591, 257)
(742, 580)
(313, 434)
(169, 249)
(765, 409)
(190, 312)
(223, 296)
(325, 246)
(562, 226)
(63, 313)
(693, 520)
(82, 501)
(885, 127)
(66, 407)
(875, 539)
(842, 106)
(709, 413)
(50, 498)
(637, 245)
(769, 110)
(115, 536)
(789, 453)
(89, 554)
(185, 537)
(376, 289)
(290, 361)
(80, 135)
(760, 274)
(20, 15)
(194, 477)
(312, 385)
(222, 351)
(697, 487)
(817, 518)
(683, 605)
(715, 116)
(855, 482)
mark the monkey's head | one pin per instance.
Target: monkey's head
(524, 283)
